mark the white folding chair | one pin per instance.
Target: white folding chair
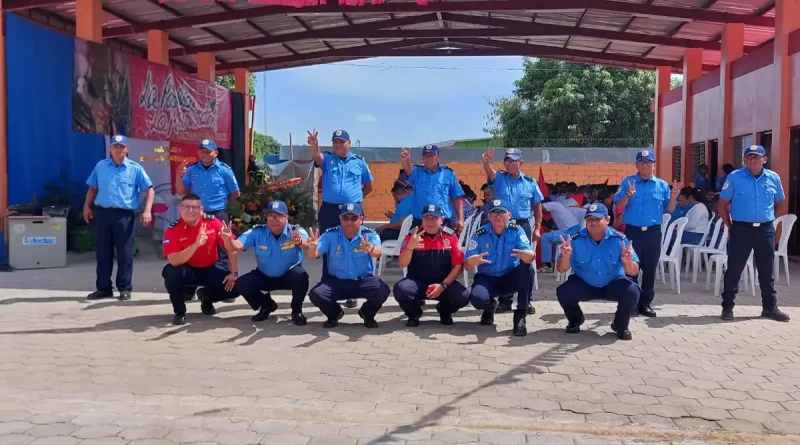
(471, 226)
(392, 247)
(671, 255)
(693, 250)
(786, 223)
(665, 218)
(720, 263)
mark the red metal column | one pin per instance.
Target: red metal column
(692, 69)
(663, 156)
(206, 66)
(732, 49)
(89, 20)
(158, 46)
(241, 79)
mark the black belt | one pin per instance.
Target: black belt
(751, 224)
(643, 229)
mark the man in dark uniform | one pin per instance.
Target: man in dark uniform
(434, 263)
(351, 249)
(602, 263)
(279, 258)
(503, 255)
(191, 245)
(645, 199)
(114, 188)
(346, 178)
(751, 193)
(434, 183)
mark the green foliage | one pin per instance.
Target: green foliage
(265, 145)
(250, 208)
(229, 82)
(563, 104)
(66, 193)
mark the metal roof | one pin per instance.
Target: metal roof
(630, 33)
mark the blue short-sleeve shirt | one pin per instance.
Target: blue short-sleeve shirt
(275, 255)
(212, 184)
(752, 198)
(118, 186)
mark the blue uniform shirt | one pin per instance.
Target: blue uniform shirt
(346, 260)
(499, 248)
(701, 181)
(274, 256)
(752, 199)
(520, 193)
(212, 184)
(118, 186)
(648, 205)
(721, 182)
(434, 187)
(402, 209)
(680, 211)
(598, 264)
(342, 178)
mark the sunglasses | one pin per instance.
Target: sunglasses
(349, 217)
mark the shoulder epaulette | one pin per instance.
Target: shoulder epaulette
(332, 229)
(480, 231)
(575, 235)
(193, 164)
(258, 226)
(448, 231)
(513, 225)
(225, 165)
(447, 168)
(172, 225)
(367, 229)
(616, 232)
(360, 157)
(207, 216)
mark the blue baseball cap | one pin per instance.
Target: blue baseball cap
(647, 154)
(498, 204)
(119, 140)
(755, 150)
(597, 210)
(340, 135)
(432, 210)
(430, 149)
(515, 154)
(351, 207)
(278, 207)
(208, 144)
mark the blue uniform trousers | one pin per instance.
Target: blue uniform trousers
(326, 294)
(252, 285)
(745, 238)
(625, 291)
(114, 229)
(176, 279)
(648, 247)
(410, 292)
(485, 288)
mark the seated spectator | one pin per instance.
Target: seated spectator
(401, 192)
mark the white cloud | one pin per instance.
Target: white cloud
(366, 118)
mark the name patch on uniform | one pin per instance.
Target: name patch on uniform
(262, 247)
(287, 245)
(338, 250)
(166, 241)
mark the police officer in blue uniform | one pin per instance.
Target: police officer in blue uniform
(114, 188)
(210, 179)
(503, 255)
(346, 178)
(279, 257)
(751, 193)
(646, 198)
(602, 262)
(434, 183)
(522, 194)
(351, 249)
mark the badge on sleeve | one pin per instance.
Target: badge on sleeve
(725, 186)
(523, 237)
(472, 245)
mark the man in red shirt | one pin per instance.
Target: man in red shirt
(191, 245)
(434, 263)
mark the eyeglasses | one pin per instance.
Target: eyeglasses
(274, 216)
(497, 214)
(191, 208)
(349, 218)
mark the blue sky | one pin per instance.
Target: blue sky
(385, 102)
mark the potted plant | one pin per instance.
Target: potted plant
(250, 208)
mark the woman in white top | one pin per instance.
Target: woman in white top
(698, 216)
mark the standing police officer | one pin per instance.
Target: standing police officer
(602, 264)
(350, 248)
(279, 258)
(191, 245)
(645, 199)
(114, 188)
(210, 179)
(434, 262)
(503, 255)
(751, 192)
(434, 183)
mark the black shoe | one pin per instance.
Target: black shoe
(264, 312)
(179, 320)
(502, 307)
(487, 317)
(647, 311)
(124, 295)
(575, 327)
(423, 302)
(99, 295)
(445, 317)
(727, 314)
(776, 314)
(520, 330)
(351, 303)
(333, 322)
(411, 322)
(206, 307)
(370, 321)
(531, 310)
(299, 319)
(622, 335)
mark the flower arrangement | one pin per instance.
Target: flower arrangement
(250, 208)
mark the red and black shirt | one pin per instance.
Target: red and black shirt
(180, 235)
(434, 257)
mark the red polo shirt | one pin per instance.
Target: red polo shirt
(435, 256)
(180, 235)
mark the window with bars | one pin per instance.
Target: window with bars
(676, 163)
(698, 156)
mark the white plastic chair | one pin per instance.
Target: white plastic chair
(471, 226)
(786, 223)
(693, 251)
(392, 247)
(719, 262)
(706, 252)
(672, 256)
(665, 218)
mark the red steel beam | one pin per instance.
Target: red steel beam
(21, 5)
(412, 7)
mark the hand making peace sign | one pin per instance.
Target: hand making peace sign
(202, 237)
(405, 155)
(488, 156)
(627, 252)
(313, 238)
(225, 233)
(366, 246)
(566, 246)
(294, 233)
(676, 189)
(313, 138)
(415, 239)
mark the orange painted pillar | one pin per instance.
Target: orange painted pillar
(89, 20)
(692, 69)
(207, 66)
(158, 46)
(732, 49)
(3, 130)
(663, 157)
(787, 19)
(241, 79)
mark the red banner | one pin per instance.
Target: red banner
(170, 105)
(178, 154)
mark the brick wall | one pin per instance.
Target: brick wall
(380, 200)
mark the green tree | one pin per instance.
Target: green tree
(265, 145)
(563, 104)
(229, 82)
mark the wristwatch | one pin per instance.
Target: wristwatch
(444, 285)
(236, 274)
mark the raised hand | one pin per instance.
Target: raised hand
(313, 138)
(415, 239)
(182, 169)
(627, 252)
(566, 246)
(225, 232)
(676, 189)
(202, 237)
(526, 256)
(631, 188)
(488, 156)
(313, 238)
(366, 246)
(405, 155)
(297, 239)
(477, 259)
